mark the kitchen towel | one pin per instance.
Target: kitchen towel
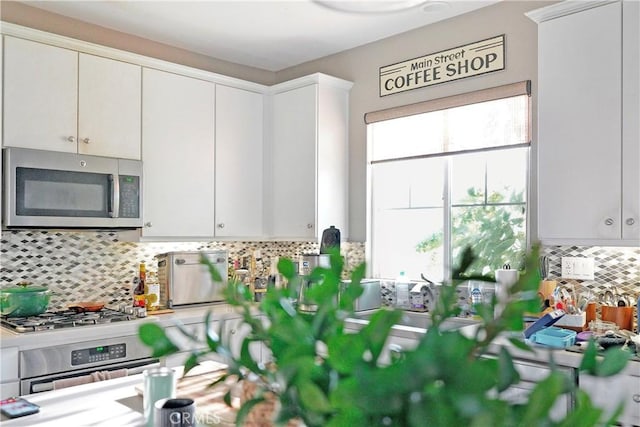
(90, 378)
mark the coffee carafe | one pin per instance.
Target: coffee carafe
(306, 266)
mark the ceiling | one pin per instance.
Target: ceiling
(267, 34)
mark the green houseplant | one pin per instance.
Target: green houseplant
(324, 376)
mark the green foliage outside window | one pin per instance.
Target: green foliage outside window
(495, 231)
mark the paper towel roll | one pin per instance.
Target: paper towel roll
(505, 278)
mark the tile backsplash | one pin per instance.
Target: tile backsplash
(615, 267)
(97, 265)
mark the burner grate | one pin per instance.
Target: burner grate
(63, 319)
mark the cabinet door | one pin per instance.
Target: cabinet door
(233, 332)
(530, 375)
(9, 367)
(10, 389)
(40, 96)
(630, 122)
(332, 202)
(293, 159)
(109, 103)
(607, 393)
(579, 167)
(178, 155)
(239, 163)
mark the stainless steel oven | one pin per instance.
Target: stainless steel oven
(54, 189)
(40, 368)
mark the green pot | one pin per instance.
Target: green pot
(24, 300)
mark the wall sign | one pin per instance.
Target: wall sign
(485, 56)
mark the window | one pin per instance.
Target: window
(448, 178)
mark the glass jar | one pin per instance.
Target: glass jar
(152, 291)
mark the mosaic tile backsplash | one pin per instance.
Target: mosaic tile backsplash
(616, 268)
(97, 265)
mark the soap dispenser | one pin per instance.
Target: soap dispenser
(419, 297)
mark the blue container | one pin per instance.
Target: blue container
(554, 337)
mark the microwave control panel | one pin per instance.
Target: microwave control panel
(129, 196)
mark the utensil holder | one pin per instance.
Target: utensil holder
(621, 316)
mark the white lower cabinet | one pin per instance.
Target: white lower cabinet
(608, 393)
(9, 383)
(178, 141)
(393, 347)
(530, 374)
(234, 331)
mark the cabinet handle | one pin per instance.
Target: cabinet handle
(396, 352)
(309, 226)
(630, 221)
(636, 398)
(148, 224)
(86, 140)
(233, 332)
(608, 221)
(71, 138)
(221, 225)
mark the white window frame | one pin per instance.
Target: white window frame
(505, 91)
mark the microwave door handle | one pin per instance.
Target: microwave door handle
(114, 201)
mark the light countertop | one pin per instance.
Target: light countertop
(185, 316)
(116, 402)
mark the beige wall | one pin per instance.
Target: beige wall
(359, 65)
(20, 14)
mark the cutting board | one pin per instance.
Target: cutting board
(164, 311)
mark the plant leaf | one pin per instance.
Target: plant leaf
(313, 398)
(507, 373)
(614, 361)
(154, 336)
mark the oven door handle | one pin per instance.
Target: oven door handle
(46, 383)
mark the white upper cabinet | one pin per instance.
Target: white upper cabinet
(631, 122)
(109, 103)
(239, 166)
(40, 96)
(178, 156)
(61, 100)
(308, 157)
(588, 140)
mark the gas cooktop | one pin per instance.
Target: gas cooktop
(64, 319)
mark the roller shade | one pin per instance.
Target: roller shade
(505, 91)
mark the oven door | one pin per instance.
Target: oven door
(40, 367)
(46, 383)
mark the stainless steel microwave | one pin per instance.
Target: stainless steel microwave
(67, 190)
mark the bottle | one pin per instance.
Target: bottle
(402, 291)
(152, 294)
(475, 294)
(138, 292)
